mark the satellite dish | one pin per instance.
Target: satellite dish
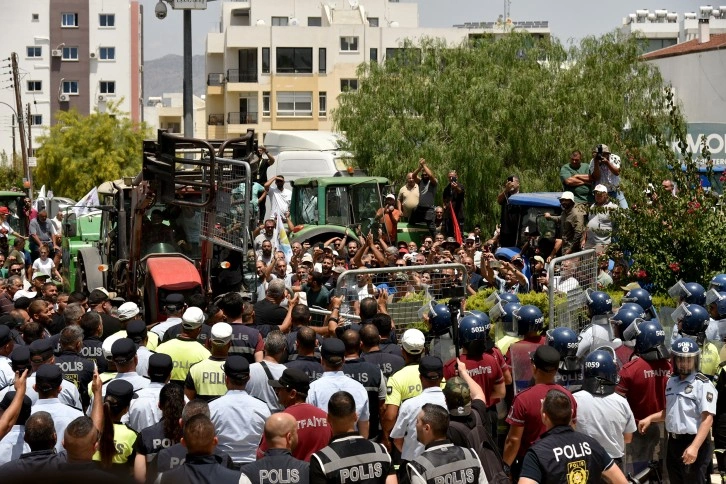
(260, 23)
(294, 21)
(394, 24)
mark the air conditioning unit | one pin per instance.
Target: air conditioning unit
(63, 98)
(56, 53)
(92, 55)
(101, 98)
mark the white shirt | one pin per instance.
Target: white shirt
(13, 445)
(566, 285)
(62, 415)
(7, 375)
(43, 267)
(161, 328)
(142, 366)
(606, 419)
(607, 177)
(405, 426)
(279, 200)
(599, 225)
(259, 387)
(69, 393)
(239, 420)
(144, 410)
(334, 381)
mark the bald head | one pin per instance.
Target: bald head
(281, 431)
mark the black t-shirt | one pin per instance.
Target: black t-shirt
(457, 199)
(111, 325)
(176, 330)
(427, 193)
(267, 312)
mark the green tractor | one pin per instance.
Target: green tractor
(329, 207)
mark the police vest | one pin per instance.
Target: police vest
(354, 459)
(447, 464)
(183, 353)
(277, 467)
(308, 364)
(244, 341)
(124, 439)
(208, 378)
(710, 359)
(76, 370)
(368, 375)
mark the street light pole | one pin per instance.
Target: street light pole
(188, 90)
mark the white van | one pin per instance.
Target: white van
(277, 141)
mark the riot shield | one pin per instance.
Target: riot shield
(520, 354)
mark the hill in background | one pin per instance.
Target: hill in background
(166, 75)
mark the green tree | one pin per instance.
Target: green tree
(11, 174)
(490, 109)
(80, 152)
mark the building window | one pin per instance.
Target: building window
(33, 51)
(322, 104)
(294, 103)
(279, 21)
(35, 17)
(107, 20)
(266, 103)
(373, 21)
(107, 87)
(35, 86)
(70, 53)
(348, 85)
(322, 60)
(315, 22)
(36, 119)
(107, 53)
(294, 60)
(374, 54)
(70, 87)
(406, 56)
(265, 60)
(69, 20)
(349, 44)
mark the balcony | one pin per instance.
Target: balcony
(245, 75)
(215, 79)
(242, 118)
(215, 119)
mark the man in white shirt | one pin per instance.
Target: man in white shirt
(280, 197)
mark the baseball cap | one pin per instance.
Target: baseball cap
(122, 391)
(4, 211)
(546, 358)
(136, 330)
(236, 367)
(403, 250)
(40, 275)
(123, 350)
(600, 188)
(127, 311)
(292, 378)
(605, 148)
(451, 241)
(221, 333)
(471, 237)
(160, 365)
(431, 368)
(5, 337)
(539, 259)
(630, 286)
(174, 300)
(567, 196)
(307, 258)
(192, 318)
(96, 297)
(413, 341)
(40, 350)
(391, 196)
(48, 377)
(458, 397)
(333, 350)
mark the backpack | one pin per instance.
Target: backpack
(481, 442)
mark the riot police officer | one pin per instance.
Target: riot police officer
(566, 341)
(718, 282)
(689, 293)
(692, 321)
(528, 321)
(599, 332)
(604, 415)
(642, 298)
(690, 406)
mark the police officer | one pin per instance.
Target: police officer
(185, 350)
(123, 355)
(48, 381)
(136, 331)
(40, 353)
(438, 318)
(643, 382)
(306, 359)
(506, 333)
(76, 369)
(528, 320)
(716, 305)
(368, 375)
(92, 345)
(566, 342)
(121, 454)
(371, 351)
(145, 411)
(278, 465)
(40, 437)
(12, 445)
(441, 461)
(690, 407)
(599, 332)
(201, 465)
(604, 415)
(246, 341)
(206, 378)
(238, 417)
(642, 298)
(349, 457)
(563, 455)
(173, 307)
(692, 321)
(689, 293)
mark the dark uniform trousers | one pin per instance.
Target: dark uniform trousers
(694, 473)
(368, 375)
(200, 469)
(277, 467)
(350, 459)
(446, 463)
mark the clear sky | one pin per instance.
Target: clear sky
(569, 19)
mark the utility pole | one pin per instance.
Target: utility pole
(30, 150)
(188, 89)
(21, 122)
(13, 156)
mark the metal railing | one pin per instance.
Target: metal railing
(216, 79)
(237, 75)
(215, 119)
(242, 118)
(568, 278)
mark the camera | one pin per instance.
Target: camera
(160, 10)
(454, 179)
(599, 150)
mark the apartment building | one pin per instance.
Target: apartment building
(72, 54)
(283, 64)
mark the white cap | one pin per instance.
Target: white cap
(413, 341)
(307, 258)
(600, 188)
(127, 311)
(391, 195)
(192, 318)
(567, 196)
(221, 333)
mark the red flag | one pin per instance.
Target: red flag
(455, 222)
